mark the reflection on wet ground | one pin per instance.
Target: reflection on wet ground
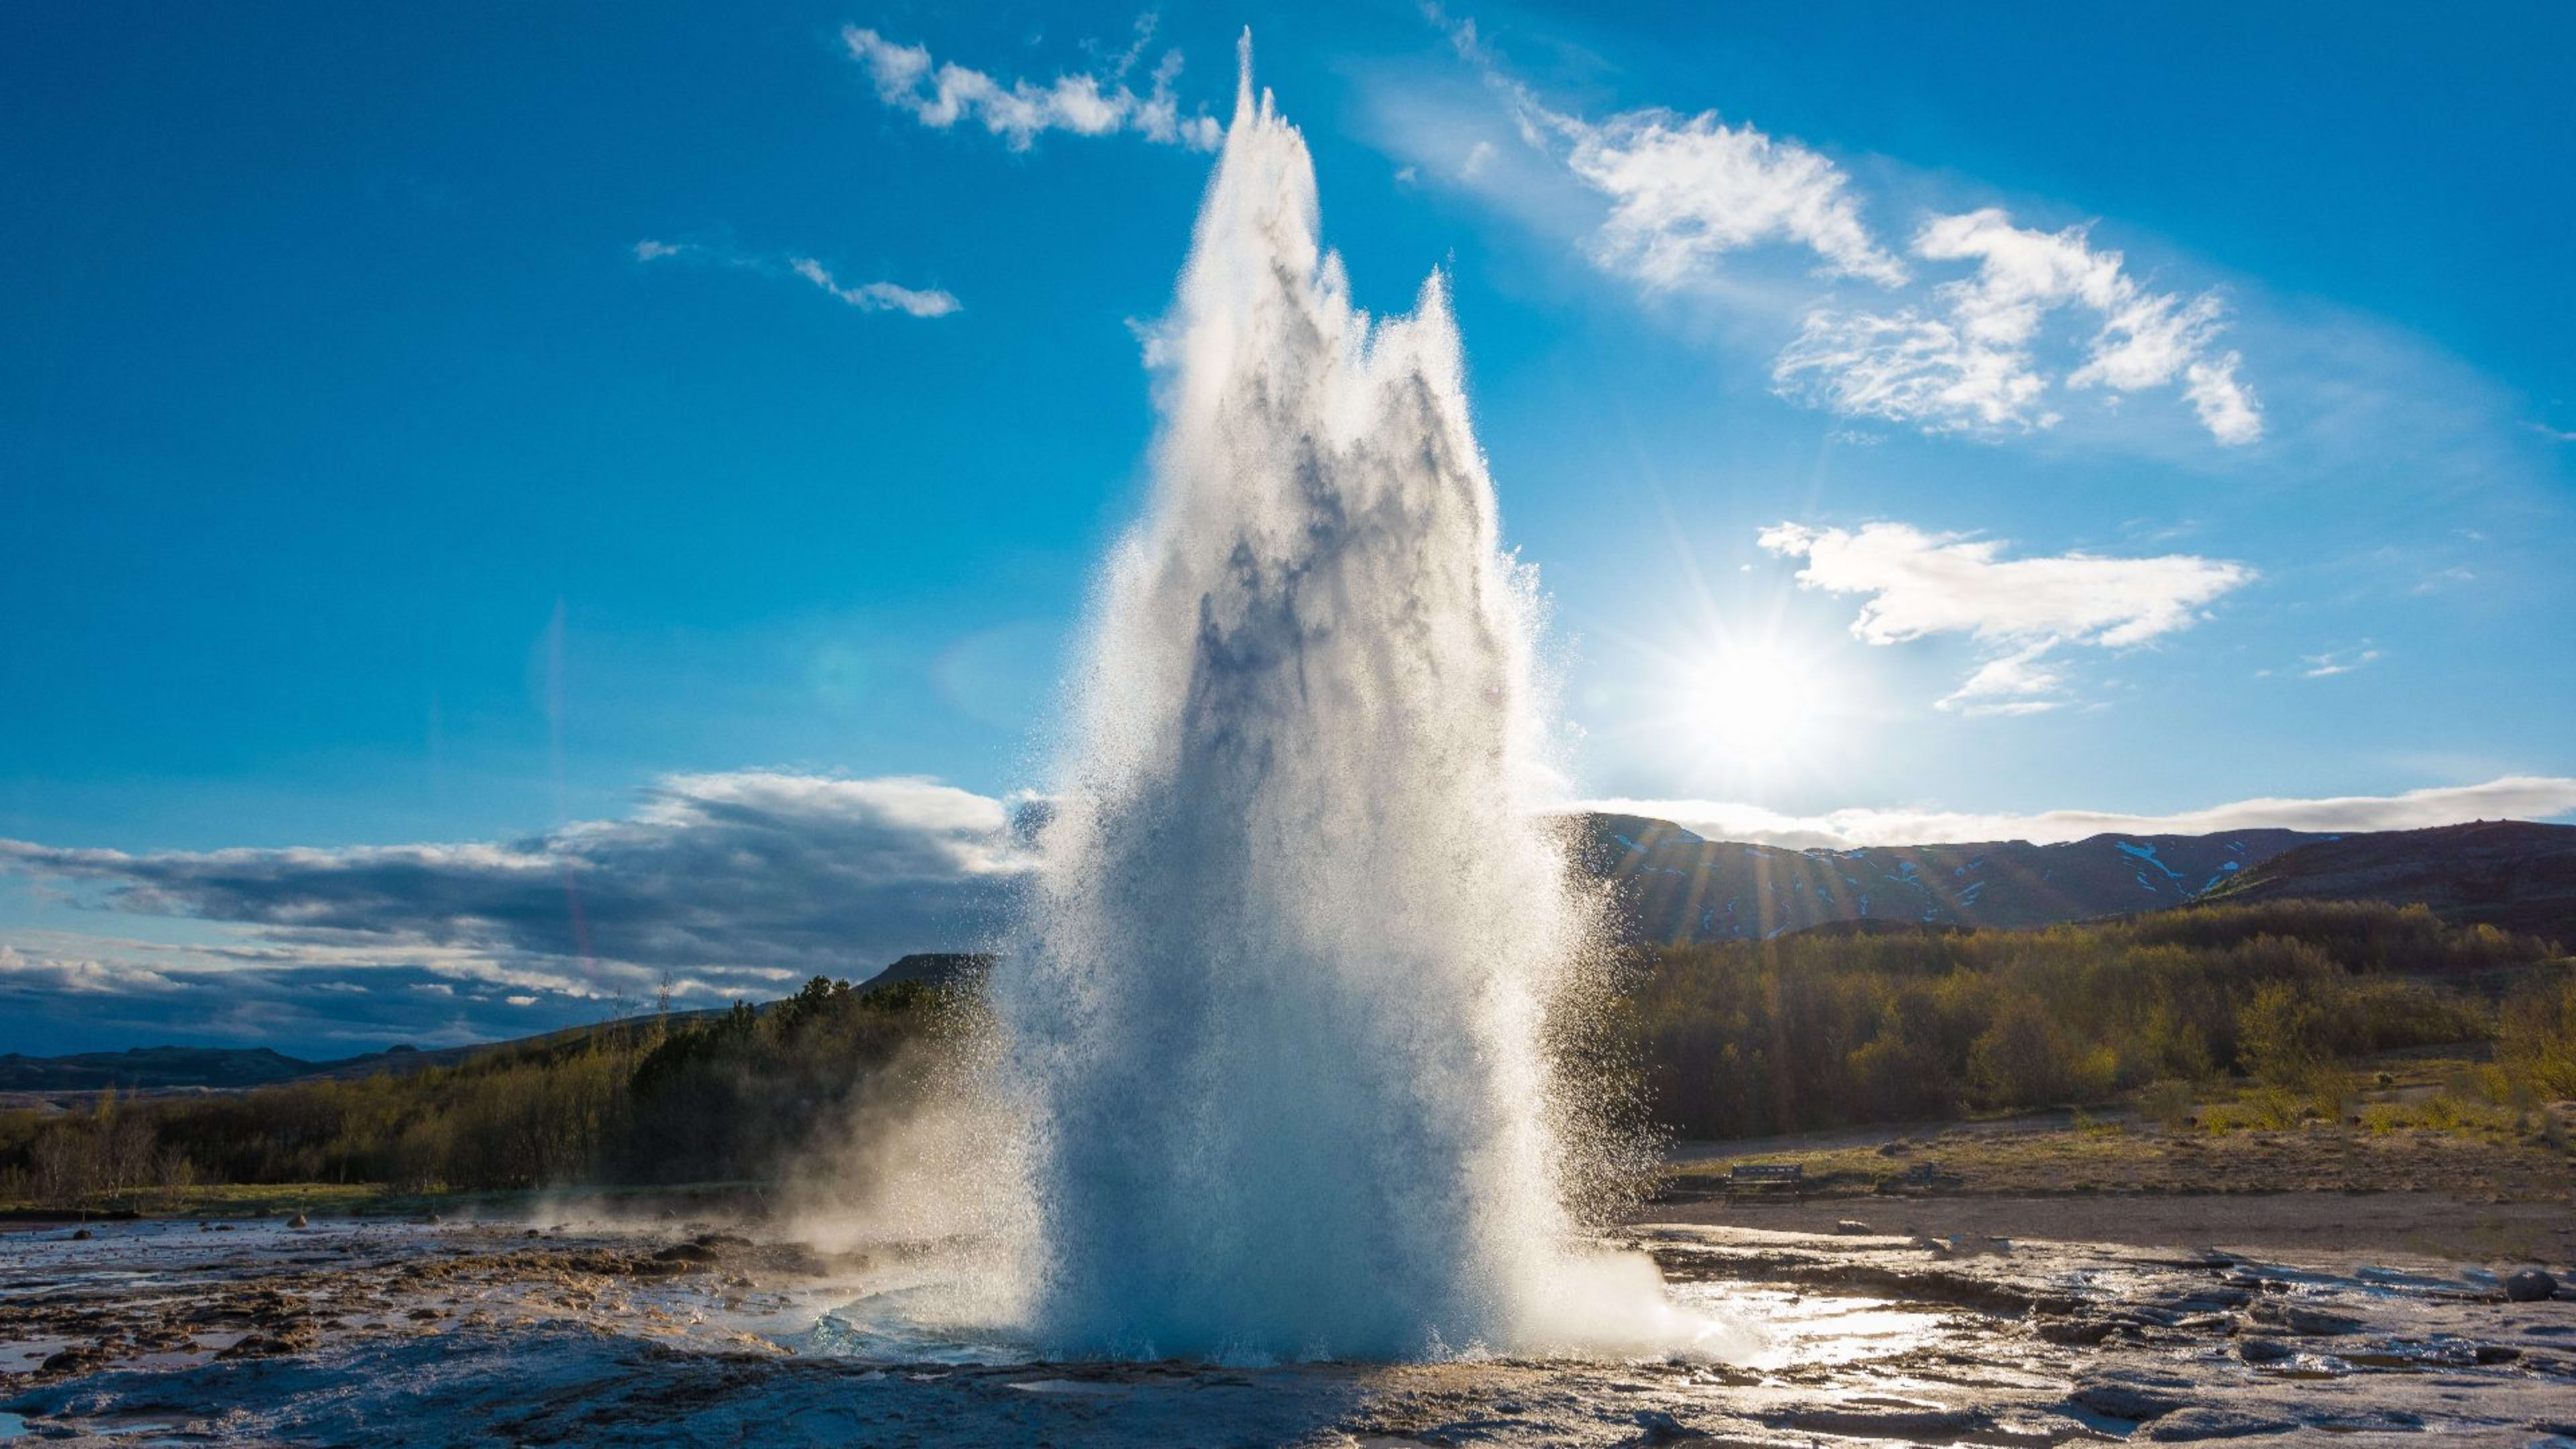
(670, 1333)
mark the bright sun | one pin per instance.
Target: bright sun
(1756, 707)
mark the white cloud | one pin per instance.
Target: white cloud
(2340, 661)
(741, 878)
(649, 250)
(1933, 583)
(1686, 190)
(2511, 797)
(77, 975)
(2555, 435)
(1967, 355)
(1919, 584)
(2015, 683)
(1971, 360)
(719, 886)
(64, 991)
(1087, 105)
(2226, 408)
(877, 296)
(1909, 368)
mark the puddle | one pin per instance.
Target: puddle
(923, 1320)
(866, 1331)
(1815, 1330)
(1066, 1386)
(2373, 1283)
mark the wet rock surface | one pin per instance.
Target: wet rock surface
(678, 1333)
(2530, 1285)
(2136, 1403)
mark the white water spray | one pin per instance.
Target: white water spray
(1278, 1008)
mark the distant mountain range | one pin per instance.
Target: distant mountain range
(147, 1067)
(1673, 887)
(174, 1068)
(156, 1068)
(2510, 874)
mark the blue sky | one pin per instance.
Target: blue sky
(535, 421)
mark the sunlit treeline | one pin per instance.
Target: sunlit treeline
(1826, 1028)
(724, 1097)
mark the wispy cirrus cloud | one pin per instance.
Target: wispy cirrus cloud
(2020, 682)
(1684, 191)
(1968, 359)
(1917, 584)
(2337, 661)
(877, 296)
(866, 296)
(944, 95)
(1948, 337)
(2510, 797)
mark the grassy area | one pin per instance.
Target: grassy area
(218, 1200)
(2409, 1123)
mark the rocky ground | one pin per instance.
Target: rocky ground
(457, 1334)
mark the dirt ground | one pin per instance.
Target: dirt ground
(2329, 1225)
(2490, 1194)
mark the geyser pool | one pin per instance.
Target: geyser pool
(1277, 1005)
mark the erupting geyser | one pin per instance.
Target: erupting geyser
(1277, 1012)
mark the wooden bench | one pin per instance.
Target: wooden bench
(1757, 1176)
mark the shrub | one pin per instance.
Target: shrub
(2028, 1058)
(2536, 1037)
(2280, 1034)
(1822, 1029)
(729, 1096)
